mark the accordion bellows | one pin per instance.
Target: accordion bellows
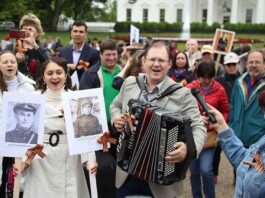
(142, 147)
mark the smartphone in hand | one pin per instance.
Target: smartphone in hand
(17, 34)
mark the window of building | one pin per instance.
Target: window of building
(162, 15)
(204, 15)
(132, 1)
(249, 14)
(226, 19)
(179, 15)
(145, 15)
(128, 14)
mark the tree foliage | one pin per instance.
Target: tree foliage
(49, 10)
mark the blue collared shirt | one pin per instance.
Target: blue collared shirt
(77, 53)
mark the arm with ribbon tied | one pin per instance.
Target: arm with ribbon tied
(20, 167)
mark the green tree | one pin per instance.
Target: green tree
(12, 10)
(49, 10)
(82, 9)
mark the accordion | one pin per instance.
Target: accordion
(150, 134)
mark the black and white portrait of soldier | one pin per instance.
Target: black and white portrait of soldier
(86, 123)
(23, 132)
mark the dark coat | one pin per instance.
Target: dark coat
(34, 58)
(90, 78)
(88, 54)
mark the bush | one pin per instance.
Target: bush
(195, 27)
(245, 27)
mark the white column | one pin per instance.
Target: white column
(260, 12)
(234, 11)
(210, 10)
(194, 11)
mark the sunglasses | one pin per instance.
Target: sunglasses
(231, 64)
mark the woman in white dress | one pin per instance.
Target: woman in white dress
(58, 175)
(11, 80)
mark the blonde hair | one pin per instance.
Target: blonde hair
(31, 19)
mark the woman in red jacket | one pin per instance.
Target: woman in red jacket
(215, 95)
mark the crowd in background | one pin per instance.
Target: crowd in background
(232, 86)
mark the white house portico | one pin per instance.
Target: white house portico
(210, 11)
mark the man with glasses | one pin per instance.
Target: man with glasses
(157, 61)
(246, 117)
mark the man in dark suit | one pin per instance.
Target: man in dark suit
(79, 55)
(23, 133)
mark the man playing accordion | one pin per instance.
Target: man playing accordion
(157, 62)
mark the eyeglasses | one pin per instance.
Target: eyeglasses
(231, 64)
(159, 60)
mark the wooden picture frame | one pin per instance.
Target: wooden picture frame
(223, 41)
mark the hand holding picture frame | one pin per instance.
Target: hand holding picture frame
(23, 123)
(85, 118)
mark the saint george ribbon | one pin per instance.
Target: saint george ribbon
(130, 120)
(84, 64)
(33, 151)
(257, 162)
(104, 139)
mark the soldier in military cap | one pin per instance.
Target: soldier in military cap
(23, 133)
(86, 123)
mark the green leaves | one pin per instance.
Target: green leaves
(49, 10)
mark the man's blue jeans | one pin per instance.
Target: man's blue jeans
(203, 168)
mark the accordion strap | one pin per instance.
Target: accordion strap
(168, 91)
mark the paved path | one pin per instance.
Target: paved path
(224, 187)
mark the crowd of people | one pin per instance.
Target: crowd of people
(233, 88)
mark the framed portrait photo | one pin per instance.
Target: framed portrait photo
(23, 123)
(223, 41)
(85, 118)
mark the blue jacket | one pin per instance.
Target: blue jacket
(246, 117)
(249, 182)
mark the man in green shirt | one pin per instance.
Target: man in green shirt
(102, 75)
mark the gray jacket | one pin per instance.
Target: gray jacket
(180, 101)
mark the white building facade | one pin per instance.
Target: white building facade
(210, 11)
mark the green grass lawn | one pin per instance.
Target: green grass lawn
(65, 36)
